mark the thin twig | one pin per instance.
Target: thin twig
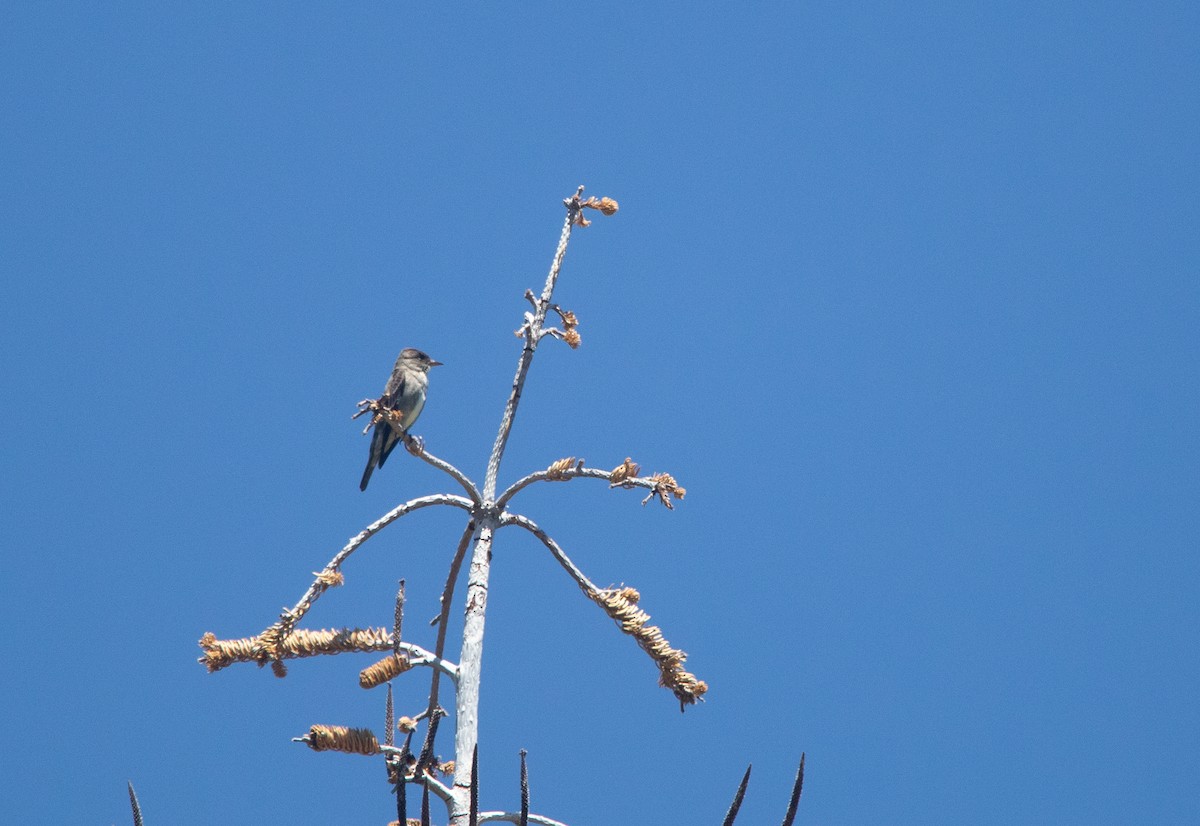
(586, 585)
(414, 444)
(648, 482)
(532, 335)
(447, 599)
(417, 448)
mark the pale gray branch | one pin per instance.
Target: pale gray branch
(417, 448)
(572, 473)
(325, 579)
(420, 656)
(515, 817)
(532, 330)
(585, 584)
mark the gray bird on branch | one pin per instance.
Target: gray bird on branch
(405, 396)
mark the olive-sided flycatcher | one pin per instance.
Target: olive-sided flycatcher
(405, 394)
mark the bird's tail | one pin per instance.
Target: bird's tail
(373, 458)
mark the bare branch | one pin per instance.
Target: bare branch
(437, 787)
(414, 444)
(621, 605)
(331, 576)
(448, 597)
(532, 331)
(661, 484)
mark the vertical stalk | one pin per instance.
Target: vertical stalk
(532, 335)
(470, 663)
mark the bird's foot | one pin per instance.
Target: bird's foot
(414, 444)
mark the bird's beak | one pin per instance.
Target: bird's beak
(433, 363)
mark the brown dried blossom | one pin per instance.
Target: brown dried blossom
(665, 487)
(273, 645)
(384, 670)
(331, 578)
(343, 739)
(557, 471)
(606, 205)
(626, 470)
(621, 605)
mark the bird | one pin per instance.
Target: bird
(405, 394)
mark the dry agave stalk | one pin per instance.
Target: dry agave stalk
(487, 513)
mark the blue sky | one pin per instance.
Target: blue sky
(904, 294)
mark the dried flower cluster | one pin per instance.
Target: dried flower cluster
(330, 578)
(340, 738)
(621, 605)
(606, 205)
(406, 725)
(384, 670)
(557, 472)
(570, 322)
(273, 647)
(626, 470)
(665, 487)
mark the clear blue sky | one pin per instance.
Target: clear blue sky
(904, 293)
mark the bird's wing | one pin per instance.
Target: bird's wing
(395, 386)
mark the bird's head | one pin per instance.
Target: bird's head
(418, 359)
